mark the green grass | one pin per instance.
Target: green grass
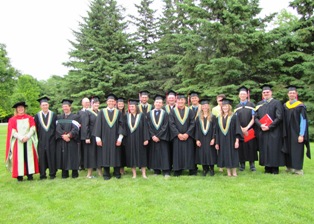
(249, 198)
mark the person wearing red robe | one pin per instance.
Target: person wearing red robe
(21, 155)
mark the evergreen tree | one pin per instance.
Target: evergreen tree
(102, 58)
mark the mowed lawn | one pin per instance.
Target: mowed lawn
(249, 198)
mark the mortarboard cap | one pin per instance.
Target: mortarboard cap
(67, 101)
(133, 102)
(226, 101)
(43, 99)
(111, 96)
(158, 97)
(171, 93)
(266, 87)
(181, 95)
(194, 93)
(19, 104)
(204, 101)
(120, 99)
(95, 99)
(243, 88)
(144, 93)
(293, 88)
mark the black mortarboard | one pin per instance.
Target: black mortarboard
(204, 101)
(181, 95)
(194, 93)
(133, 102)
(266, 87)
(293, 88)
(121, 99)
(67, 101)
(226, 101)
(19, 104)
(111, 96)
(43, 99)
(94, 99)
(158, 97)
(171, 92)
(243, 88)
(144, 92)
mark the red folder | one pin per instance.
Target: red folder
(250, 135)
(266, 119)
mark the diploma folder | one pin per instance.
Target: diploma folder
(250, 135)
(266, 119)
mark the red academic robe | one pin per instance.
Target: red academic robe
(18, 163)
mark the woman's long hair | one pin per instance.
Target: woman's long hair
(209, 114)
(230, 110)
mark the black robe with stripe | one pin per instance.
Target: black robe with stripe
(135, 151)
(226, 134)
(206, 154)
(293, 149)
(109, 154)
(159, 152)
(183, 151)
(247, 150)
(46, 132)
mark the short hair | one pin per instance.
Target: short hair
(221, 95)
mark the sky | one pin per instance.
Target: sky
(37, 32)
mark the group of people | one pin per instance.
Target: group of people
(167, 138)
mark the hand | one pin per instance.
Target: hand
(118, 143)
(301, 139)
(87, 141)
(146, 142)
(264, 127)
(217, 147)
(198, 143)
(236, 144)
(155, 139)
(99, 143)
(65, 137)
(186, 136)
(25, 139)
(180, 137)
(212, 142)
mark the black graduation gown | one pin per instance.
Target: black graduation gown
(46, 132)
(205, 132)
(294, 150)
(136, 133)
(90, 150)
(270, 142)
(182, 121)
(67, 152)
(159, 152)
(109, 125)
(247, 150)
(85, 132)
(228, 129)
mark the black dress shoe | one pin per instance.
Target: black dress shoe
(242, 166)
(205, 172)
(43, 178)
(19, 178)
(30, 177)
(107, 178)
(52, 177)
(252, 167)
(211, 172)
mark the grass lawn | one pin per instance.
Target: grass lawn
(249, 198)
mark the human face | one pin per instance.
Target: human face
(194, 100)
(95, 106)
(44, 106)
(181, 102)
(158, 104)
(225, 108)
(132, 108)
(66, 108)
(20, 110)
(243, 96)
(85, 103)
(171, 100)
(219, 101)
(144, 99)
(205, 107)
(292, 95)
(120, 105)
(267, 94)
(111, 103)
